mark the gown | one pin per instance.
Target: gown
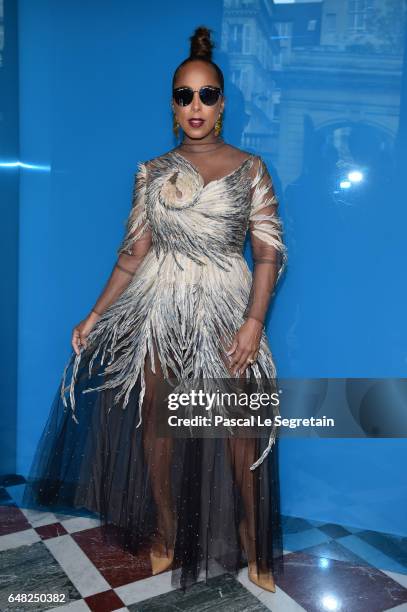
(177, 295)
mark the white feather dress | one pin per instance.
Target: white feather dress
(189, 292)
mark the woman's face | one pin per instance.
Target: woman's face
(196, 74)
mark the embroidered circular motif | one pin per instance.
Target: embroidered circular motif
(180, 190)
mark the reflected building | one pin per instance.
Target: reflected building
(318, 78)
(247, 39)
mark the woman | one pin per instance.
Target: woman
(180, 305)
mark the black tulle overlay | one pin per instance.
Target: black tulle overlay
(189, 494)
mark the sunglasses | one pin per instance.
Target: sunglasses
(208, 95)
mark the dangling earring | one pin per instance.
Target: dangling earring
(218, 125)
(175, 125)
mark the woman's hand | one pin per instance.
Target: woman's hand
(81, 331)
(245, 345)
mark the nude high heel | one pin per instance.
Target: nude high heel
(264, 580)
(159, 562)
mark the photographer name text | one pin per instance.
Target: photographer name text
(253, 420)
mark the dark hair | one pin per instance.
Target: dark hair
(201, 49)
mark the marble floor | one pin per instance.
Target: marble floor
(327, 567)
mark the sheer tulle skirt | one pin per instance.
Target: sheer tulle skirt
(187, 494)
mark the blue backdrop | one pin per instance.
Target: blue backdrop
(323, 102)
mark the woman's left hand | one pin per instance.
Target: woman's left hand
(245, 346)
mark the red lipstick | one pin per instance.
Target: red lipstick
(196, 123)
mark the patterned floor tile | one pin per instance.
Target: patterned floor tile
(77, 565)
(294, 524)
(304, 539)
(19, 538)
(75, 606)
(12, 520)
(223, 594)
(106, 601)
(401, 608)
(400, 578)
(78, 523)
(334, 550)
(51, 531)
(333, 530)
(338, 585)
(392, 546)
(36, 518)
(352, 529)
(326, 565)
(32, 569)
(315, 523)
(116, 566)
(278, 601)
(140, 590)
(371, 554)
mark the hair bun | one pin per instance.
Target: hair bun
(201, 44)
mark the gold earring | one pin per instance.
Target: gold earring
(175, 125)
(218, 125)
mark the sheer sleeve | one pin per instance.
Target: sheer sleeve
(268, 249)
(134, 247)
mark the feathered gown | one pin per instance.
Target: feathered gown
(172, 321)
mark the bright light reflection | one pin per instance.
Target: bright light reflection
(330, 602)
(19, 164)
(323, 562)
(355, 176)
(345, 184)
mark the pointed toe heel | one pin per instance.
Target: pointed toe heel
(264, 580)
(161, 563)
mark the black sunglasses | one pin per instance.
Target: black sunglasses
(208, 95)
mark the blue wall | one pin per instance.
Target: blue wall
(9, 248)
(316, 107)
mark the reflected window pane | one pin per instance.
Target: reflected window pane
(358, 13)
(235, 38)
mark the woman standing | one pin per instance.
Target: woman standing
(181, 304)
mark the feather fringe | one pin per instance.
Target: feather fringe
(191, 290)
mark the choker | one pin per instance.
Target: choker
(220, 144)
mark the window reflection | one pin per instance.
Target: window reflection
(359, 12)
(320, 83)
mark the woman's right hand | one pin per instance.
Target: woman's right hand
(81, 331)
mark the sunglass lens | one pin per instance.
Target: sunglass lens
(209, 95)
(183, 97)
